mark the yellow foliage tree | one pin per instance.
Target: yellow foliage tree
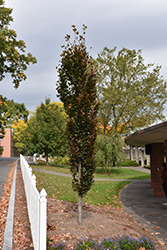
(18, 128)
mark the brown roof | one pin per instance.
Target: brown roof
(153, 134)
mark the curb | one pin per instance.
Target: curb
(8, 235)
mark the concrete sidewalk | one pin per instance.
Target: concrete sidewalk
(141, 169)
(139, 201)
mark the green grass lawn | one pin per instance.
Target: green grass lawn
(114, 173)
(101, 193)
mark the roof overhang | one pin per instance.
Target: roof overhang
(153, 134)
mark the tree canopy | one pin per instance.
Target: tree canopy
(12, 57)
(77, 90)
(18, 134)
(11, 112)
(14, 61)
(131, 93)
(109, 150)
(45, 132)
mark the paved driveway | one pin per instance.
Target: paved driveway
(6, 164)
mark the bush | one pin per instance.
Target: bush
(1, 150)
(122, 243)
(59, 160)
(147, 166)
(129, 163)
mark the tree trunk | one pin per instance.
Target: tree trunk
(106, 165)
(79, 210)
(79, 199)
(46, 160)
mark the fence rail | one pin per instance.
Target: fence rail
(36, 204)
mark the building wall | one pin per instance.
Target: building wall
(6, 143)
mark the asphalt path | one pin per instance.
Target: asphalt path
(139, 201)
(6, 164)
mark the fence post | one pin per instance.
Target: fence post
(34, 180)
(42, 219)
(29, 191)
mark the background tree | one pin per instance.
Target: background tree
(45, 132)
(12, 57)
(109, 150)
(13, 60)
(77, 90)
(18, 134)
(3, 109)
(11, 112)
(14, 112)
(132, 94)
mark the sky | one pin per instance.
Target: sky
(133, 24)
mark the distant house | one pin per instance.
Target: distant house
(7, 144)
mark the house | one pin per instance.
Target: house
(7, 144)
(154, 139)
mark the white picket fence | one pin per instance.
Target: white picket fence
(36, 204)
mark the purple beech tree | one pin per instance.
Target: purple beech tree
(77, 90)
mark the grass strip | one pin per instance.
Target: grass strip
(59, 187)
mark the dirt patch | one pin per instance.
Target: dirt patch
(97, 223)
(62, 224)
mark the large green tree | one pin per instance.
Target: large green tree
(45, 131)
(12, 57)
(13, 60)
(77, 90)
(132, 94)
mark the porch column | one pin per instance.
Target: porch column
(136, 154)
(131, 153)
(142, 157)
(157, 159)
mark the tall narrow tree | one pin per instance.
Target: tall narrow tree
(77, 90)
